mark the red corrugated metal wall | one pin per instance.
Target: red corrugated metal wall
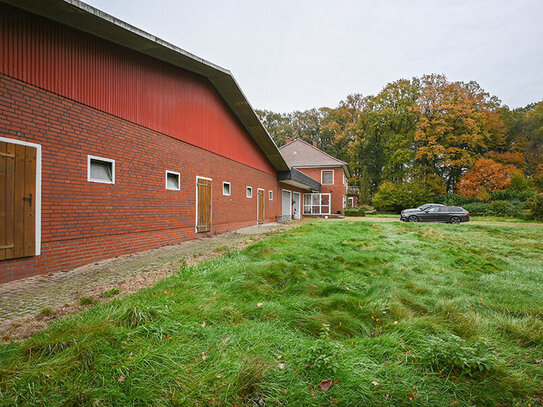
(124, 83)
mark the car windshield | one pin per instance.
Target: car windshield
(424, 207)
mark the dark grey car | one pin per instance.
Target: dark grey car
(442, 213)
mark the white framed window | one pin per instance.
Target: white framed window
(100, 169)
(317, 204)
(226, 189)
(327, 177)
(173, 181)
(270, 195)
(249, 192)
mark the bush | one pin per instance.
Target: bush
(535, 204)
(369, 210)
(355, 212)
(495, 208)
(479, 208)
(400, 195)
(454, 200)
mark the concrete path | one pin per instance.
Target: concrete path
(31, 295)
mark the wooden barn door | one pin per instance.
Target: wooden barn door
(260, 204)
(17, 200)
(204, 205)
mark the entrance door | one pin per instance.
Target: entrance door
(286, 203)
(296, 205)
(203, 205)
(17, 200)
(260, 206)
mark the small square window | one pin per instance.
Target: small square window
(327, 177)
(100, 170)
(270, 195)
(226, 188)
(249, 192)
(172, 180)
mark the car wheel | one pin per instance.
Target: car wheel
(455, 220)
(413, 218)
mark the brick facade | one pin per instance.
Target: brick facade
(337, 191)
(84, 221)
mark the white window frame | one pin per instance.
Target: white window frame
(229, 188)
(178, 180)
(270, 195)
(320, 205)
(100, 181)
(38, 187)
(249, 190)
(333, 177)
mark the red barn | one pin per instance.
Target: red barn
(113, 141)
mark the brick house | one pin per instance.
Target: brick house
(113, 141)
(330, 172)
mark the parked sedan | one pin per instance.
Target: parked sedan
(436, 213)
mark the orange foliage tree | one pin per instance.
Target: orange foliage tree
(457, 122)
(488, 174)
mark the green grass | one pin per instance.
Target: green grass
(395, 313)
(473, 218)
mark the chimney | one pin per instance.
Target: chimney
(315, 144)
(287, 140)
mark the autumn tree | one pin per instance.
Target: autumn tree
(457, 122)
(488, 174)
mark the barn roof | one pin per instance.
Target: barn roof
(299, 154)
(84, 17)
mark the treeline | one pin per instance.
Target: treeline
(425, 138)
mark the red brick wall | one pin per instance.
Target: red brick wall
(84, 221)
(337, 191)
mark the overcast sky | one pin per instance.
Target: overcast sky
(294, 55)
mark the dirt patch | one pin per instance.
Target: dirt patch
(29, 305)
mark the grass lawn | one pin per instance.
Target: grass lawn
(394, 313)
(472, 218)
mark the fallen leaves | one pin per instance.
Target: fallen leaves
(325, 385)
(121, 379)
(204, 356)
(259, 304)
(375, 383)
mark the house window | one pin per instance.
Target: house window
(316, 204)
(100, 170)
(172, 180)
(226, 188)
(270, 195)
(327, 177)
(249, 192)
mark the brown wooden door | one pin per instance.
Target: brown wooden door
(260, 216)
(204, 205)
(17, 200)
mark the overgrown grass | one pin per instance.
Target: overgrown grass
(395, 313)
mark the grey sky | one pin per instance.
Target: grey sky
(295, 55)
